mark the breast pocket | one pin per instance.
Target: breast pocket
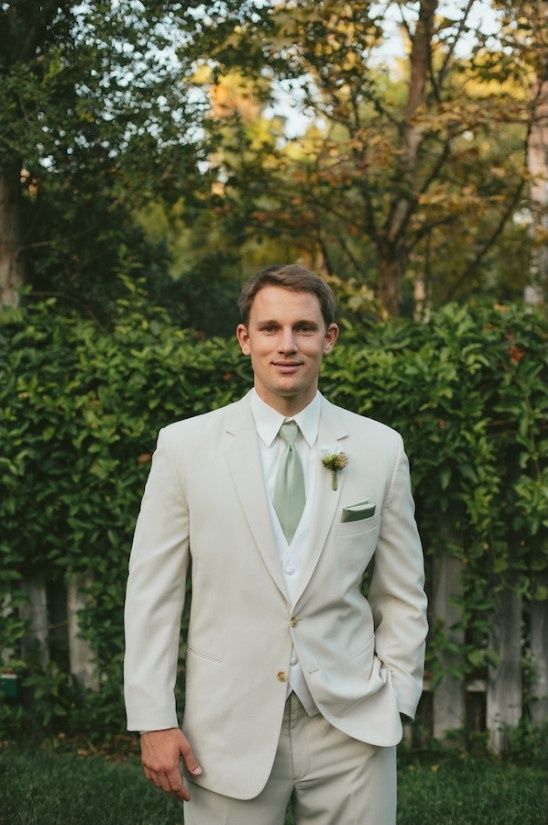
(355, 543)
(355, 528)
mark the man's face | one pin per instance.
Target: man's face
(286, 338)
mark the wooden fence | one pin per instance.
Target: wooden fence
(494, 703)
(502, 687)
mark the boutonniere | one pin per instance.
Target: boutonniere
(334, 459)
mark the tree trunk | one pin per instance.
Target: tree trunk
(539, 652)
(11, 265)
(81, 657)
(537, 161)
(504, 687)
(419, 60)
(419, 297)
(392, 271)
(390, 278)
(448, 697)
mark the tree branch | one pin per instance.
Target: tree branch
(438, 81)
(437, 167)
(405, 24)
(324, 251)
(327, 208)
(486, 246)
(342, 242)
(427, 228)
(411, 134)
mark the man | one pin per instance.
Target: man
(294, 680)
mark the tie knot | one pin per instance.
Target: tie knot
(289, 432)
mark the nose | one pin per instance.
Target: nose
(287, 342)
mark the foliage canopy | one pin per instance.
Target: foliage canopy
(149, 139)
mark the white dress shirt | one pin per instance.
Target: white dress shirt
(292, 555)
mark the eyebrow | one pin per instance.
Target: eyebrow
(308, 321)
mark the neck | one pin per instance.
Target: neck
(288, 407)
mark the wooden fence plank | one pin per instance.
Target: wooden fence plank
(34, 612)
(504, 685)
(448, 696)
(539, 653)
(81, 656)
(6, 610)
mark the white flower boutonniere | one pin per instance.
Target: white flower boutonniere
(334, 459)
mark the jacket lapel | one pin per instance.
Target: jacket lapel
(244, 462)
(331, 431)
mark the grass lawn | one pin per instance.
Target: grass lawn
(46, 787)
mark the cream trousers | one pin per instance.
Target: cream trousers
(330, 779)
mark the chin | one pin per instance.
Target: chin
(289, 389)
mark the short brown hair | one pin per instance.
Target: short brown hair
(288, 276)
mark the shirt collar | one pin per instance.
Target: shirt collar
(268, 420)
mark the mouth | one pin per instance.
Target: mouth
(286, 366)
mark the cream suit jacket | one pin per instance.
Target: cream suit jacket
(205, 505)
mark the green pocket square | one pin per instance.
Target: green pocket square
(356, 512)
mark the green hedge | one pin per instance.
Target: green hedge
(80, 408)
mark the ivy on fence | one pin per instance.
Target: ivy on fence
(80, 408)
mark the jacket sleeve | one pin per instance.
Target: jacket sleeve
(396, 593)
(155, 596)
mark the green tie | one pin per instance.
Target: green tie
(289, 497)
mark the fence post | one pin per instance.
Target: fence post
(6, 610)
(34, 613)
(539, 653)
(504, 684)
(80, 653)
(448, 696)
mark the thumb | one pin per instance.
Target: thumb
(191, 763)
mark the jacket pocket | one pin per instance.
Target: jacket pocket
(356, 528)
(203, 655)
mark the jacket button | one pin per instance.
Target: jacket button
(294, 621)
(281, 676)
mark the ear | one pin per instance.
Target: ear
(331, 335)
(243, 338)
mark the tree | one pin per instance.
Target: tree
(538, 157)
(96, 119)
(410, 179)
(209, 243)
(419, 173)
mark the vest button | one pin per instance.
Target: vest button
(281, 676)
(294, 621)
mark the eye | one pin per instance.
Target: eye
(268, 328)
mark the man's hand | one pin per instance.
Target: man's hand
(161, 751)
